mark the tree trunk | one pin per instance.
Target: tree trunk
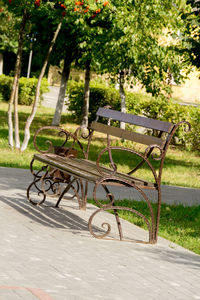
(1, 63)
(86, 96)
(62, 91)
(14, 94)
(37, 94)
(16, 118)
(122, 96)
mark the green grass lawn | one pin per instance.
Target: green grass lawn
(181, 168)
(178, 224)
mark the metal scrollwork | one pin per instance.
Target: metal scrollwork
(109, 196)
(116, 208)
(51, 147)
(111, 206)
(85, 132)
(187, 128)
(150, 149)
(144, 158)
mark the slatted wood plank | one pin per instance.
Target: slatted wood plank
(136, 120)
(127, 135)
(85, 169)
(66, 165)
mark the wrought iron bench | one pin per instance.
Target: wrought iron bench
(64, 169)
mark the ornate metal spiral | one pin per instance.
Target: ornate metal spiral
(105, 234)
(187, 128)
(150, 149)
(61, 131)
(109, 195)
(40, 192)
(102, 171)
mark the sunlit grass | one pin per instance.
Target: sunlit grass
(178, 224)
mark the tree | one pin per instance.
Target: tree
(138, 42)
(66, 48)
(191, 39)
(56, 11)
(87, 45)
(122, 95)
(8, 40)
(37, 95)
(62, 91)
(86, 95)
(14, 92)
(78, 38)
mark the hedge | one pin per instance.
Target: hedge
(139, 104)
(27, 89)
(100, 95)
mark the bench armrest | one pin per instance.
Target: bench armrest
(50, 146)
(144, 159)
(72, 138)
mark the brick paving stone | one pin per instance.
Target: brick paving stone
(51, 250)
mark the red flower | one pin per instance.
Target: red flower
(105, 3)
(37, 3)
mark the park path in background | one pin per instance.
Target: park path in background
(50, 98)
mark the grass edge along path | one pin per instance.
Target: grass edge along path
(178, 224)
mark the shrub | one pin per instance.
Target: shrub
(5, 86)
(140, 104)
(100, 95)
(193, 136)
(27, 89)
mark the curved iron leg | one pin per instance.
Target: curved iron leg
(65, 191)
(115, 212)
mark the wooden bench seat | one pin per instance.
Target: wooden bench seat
(86, 169)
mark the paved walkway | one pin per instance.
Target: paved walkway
(50, 98)
(48, 254)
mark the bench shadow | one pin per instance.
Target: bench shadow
(50, 216)
(61, 218)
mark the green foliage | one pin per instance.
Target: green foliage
(193, 137)
(144, 40)
(5, 86)
(100, 95)
(139, 104)
(162, 109)
(27, 88)
(8, 32)
(192, 36)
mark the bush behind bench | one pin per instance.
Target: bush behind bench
(138, 104)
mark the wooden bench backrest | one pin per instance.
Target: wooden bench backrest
(141, 138)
